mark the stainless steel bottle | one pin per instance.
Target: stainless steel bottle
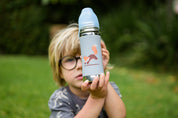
(90, 43)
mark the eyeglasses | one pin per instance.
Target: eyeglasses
(69, 62)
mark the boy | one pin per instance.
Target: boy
(77, 98)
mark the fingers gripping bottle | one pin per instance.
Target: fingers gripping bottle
(90, 44)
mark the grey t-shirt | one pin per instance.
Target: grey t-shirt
(64, 104)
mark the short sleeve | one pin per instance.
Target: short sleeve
(116, 88)
(60, 105)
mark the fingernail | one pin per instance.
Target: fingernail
(86, 81)
(96, 77)
(102, 74)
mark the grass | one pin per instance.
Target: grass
(26, 85)
(147, 94)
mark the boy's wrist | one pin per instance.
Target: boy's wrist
(97, 97)
(97, 101)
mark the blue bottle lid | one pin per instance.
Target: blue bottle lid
(87, 18)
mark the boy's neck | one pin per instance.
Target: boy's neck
(78, 92)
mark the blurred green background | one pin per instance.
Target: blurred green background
(141, 36)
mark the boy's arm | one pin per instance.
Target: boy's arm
(114, 106)
(91, 109)
(98, 93)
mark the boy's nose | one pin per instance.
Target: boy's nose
(79, 63)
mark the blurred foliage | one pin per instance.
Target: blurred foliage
(45, 2)
(68, 11)
(142, 36)
(136, 32)
(23, 29)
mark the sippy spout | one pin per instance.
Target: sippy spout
(87, 18)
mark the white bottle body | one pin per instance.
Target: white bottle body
(90, 44)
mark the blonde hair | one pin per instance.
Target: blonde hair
(65, 41)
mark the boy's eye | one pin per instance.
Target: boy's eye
(69, 59)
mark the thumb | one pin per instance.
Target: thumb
(85, 85)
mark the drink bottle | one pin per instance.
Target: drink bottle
(90, 44)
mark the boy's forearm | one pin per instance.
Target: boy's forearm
(114, 106)
(92, 108)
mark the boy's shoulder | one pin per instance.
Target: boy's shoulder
(59, 97)
(116, 88)
(60, 93)
(61, 104)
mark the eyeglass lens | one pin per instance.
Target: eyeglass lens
(68, 62)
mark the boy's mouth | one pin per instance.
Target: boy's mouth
(79, 77)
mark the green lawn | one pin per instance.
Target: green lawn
(26, 84)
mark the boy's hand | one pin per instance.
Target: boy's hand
(105, 54)
(98, 88)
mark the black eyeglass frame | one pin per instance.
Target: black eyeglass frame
(76, 59)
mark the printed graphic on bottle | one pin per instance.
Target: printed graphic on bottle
(91, 55)
(87, 59)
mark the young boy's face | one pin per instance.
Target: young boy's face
(74, 76)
